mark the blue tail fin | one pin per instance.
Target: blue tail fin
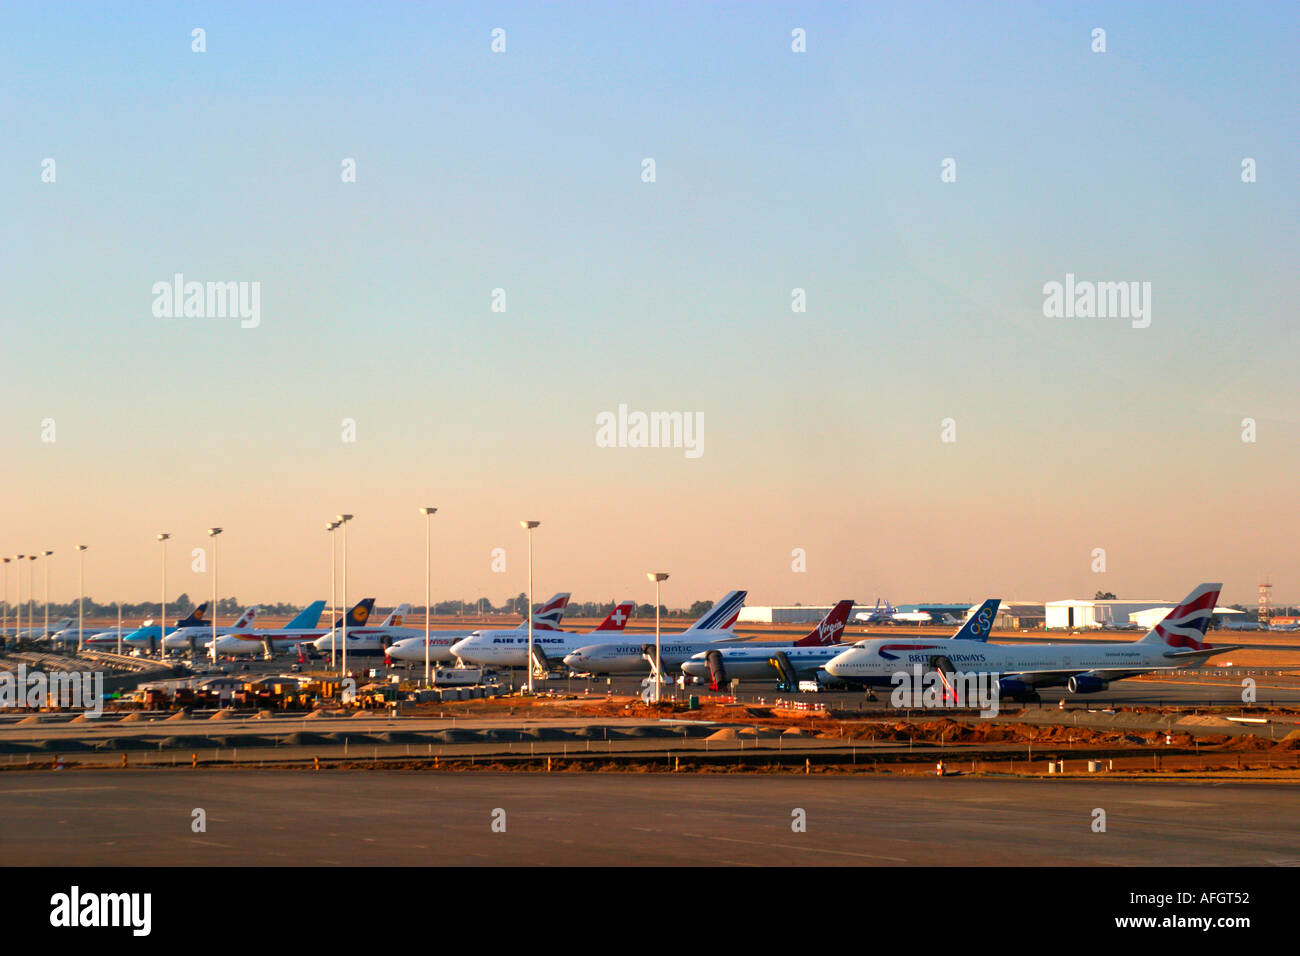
(979, 624)
(308, 617)
(359, 614)
(197, 616)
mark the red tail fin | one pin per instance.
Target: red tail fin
(617, 618)
(830, 629)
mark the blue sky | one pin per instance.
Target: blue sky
(775, 170)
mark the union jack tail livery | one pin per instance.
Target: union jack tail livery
(617, 619)
(722, 615)
(1184, 626)
(829, 630)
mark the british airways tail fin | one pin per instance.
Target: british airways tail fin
(1183, 628)
(547, 617)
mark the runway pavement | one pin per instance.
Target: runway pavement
(326, 818)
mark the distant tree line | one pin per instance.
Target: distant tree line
(183, 604)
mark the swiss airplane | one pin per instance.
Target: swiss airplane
(629, 655)
(373, 641)
(806, 658)
(1020, 669)
(509, 648)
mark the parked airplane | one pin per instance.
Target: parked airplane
(148, 634)
(93, 636)
(303, 629)
(39, 631)
(629, 656)
(806, 659)
(892, 615)
(199, 635)
(411, 649)
(1020, 669)
(374, 641)
(509, 648)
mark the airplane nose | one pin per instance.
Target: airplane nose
(573, 660)
(695, 668)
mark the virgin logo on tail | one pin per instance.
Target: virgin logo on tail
(829, 629)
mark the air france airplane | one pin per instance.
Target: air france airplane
(629, 656)
(411, 650)
(509, 648)
(806, 658)
(199, 635)
(1176, 642)
(375, 641)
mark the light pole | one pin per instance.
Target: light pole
(343, 520)
(18, 605)
(46, 556)
(212, 533)
(31, 593)
(657, 577)
(330, 528)
(81, 596)
(4, 611)
(162, 603)
(529, 526)
(428, 587)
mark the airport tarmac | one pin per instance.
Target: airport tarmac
(395, 818)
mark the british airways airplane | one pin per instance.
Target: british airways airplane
(547, 616)
(1020, 669)
(805, 659)
(375, 641)
(628, 656)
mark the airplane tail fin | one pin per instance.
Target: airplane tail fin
(722, 615)
(1184, 626)
(617, 619)
(196, 616)
(358, 615)
(829, 629)
(547, 617)
(246, 618)
(395, 619)
(979, 624)
(307, 618)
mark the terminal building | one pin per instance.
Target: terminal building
(1083, 614)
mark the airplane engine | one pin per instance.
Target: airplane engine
(1011, 689)
(1085, 684)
